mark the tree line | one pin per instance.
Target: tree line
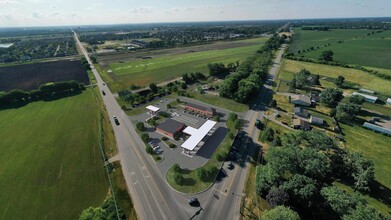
(244, 84)
(44, 91)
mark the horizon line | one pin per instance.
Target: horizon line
(182, 22)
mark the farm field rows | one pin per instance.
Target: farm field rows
(163, 68)
(290, 67)
(31, 76)
(51, 164)
(370, 50)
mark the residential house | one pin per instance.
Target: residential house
(303, 100)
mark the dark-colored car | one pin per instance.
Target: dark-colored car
(116, 120)
(193, 201)
(103, 92)
(230, 166)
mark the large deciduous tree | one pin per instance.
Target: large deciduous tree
(327, 55)
(340, 201)
(280, 213)
(331, 96)
(346, 111)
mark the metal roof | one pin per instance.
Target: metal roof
(368, 97)
(196, 135)
(377, 128)
(152, 108)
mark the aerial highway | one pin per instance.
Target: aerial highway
(152, 197)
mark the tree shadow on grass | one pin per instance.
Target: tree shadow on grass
(366, 113)
(380, 192)
(377, 191)
(45, 99)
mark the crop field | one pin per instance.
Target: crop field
(290, 67)
(51, 167)
(372, 50)
(172, 64)
(303, 39)
(31, 76)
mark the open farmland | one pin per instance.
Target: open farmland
(304, 40)
(168, 65)
(373, 50)
(51, 167)
(290, 67)
(31, 76)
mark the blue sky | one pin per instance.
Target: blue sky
(80, 12)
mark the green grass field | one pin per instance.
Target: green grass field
(376, 147)
(144, 72)
(303, 40)
(370, 50)
(51, 167)
(290, 67)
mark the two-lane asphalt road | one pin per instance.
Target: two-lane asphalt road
(152, 197)
(227, 206)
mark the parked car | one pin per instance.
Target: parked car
(103, 92)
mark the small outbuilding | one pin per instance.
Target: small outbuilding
(152, 110)
(316, 120)
(367, 91)
(301, 112)
(368, 98)
(299, 123)
(170, 128)
(303, 100)
(377, 128)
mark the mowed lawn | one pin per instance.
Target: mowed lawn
(51, 167)
(143, 72)
(373, 50)
(376, 147)
(290, 67)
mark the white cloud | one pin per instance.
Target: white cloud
(8, 2)
(37, 15)
(141, 10)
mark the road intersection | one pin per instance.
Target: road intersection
(152, 197)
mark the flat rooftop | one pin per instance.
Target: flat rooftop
(196, 135)
(199, 107)
(170, 126)
(152, 108)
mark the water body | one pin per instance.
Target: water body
(6, 45)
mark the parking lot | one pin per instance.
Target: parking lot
(176, 155)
